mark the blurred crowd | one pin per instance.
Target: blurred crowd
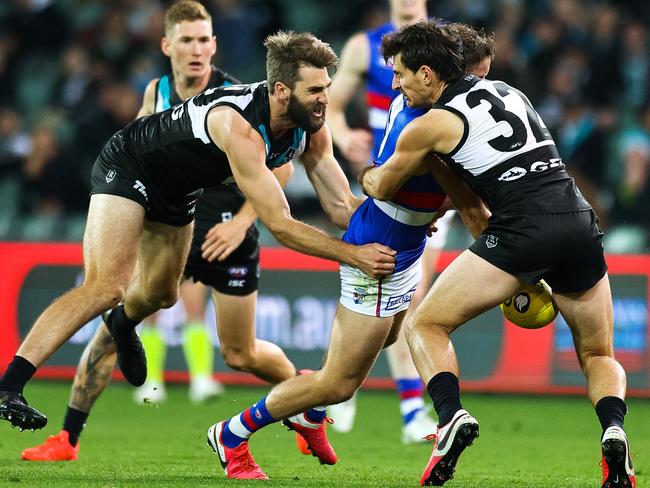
(72, 72)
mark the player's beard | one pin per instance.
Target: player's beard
(303, 116)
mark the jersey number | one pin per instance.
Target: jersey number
(499, 113)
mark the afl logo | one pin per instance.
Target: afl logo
(512, 174)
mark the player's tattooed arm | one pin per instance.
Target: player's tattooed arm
(94, 371)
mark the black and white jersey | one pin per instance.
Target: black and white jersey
(166, 96)
(507, 154)
(174, 152)
(219, 201)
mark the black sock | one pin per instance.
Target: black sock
(611, 410)
(74, 423)
(444, 391)
(18, 373)
(120, 323)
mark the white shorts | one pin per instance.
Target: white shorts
(383, 297)
(439, 238)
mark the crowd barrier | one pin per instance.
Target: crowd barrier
(298, 298)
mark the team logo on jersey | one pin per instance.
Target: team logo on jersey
(513, 173)
(238, 271)
(359, 295)
(226, 216)
(110, 176)
(491, 241)
(177, 113)
(395, 302)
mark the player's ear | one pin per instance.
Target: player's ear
(282, 91)
(427, 74)
(215, 45)
(165, 46)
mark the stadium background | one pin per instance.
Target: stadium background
(72, 72)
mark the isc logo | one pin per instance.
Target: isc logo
(517, 172)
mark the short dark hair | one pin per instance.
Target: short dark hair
(287, 52)
(185, 10)
(477, 45)
(427, 44)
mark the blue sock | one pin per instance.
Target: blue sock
(239, 428)
(316, 414)
(410, 393)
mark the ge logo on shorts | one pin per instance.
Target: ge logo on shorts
(491, 241)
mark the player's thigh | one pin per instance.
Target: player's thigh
(163, 252)
(355, 342)
(395, 329)
(193, 295)
(468, 287)
(589, 315)
(235, 319)
(110, 244)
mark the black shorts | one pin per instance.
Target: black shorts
(565, 249)
(112, 174)
(239, 273)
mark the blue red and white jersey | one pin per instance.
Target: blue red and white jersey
(402, 222)
(378, 88)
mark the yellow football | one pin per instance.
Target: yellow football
(531, 308)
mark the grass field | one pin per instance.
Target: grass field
(535, 442)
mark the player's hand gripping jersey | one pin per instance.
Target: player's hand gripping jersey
(402, 222)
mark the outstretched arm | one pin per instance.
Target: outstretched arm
(246, 154)
(328, 179)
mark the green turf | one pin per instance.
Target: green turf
(535, 442)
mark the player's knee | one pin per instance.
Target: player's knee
(337, 390)
(341, 393)
(107, 295)
(595, 351)
(409, 330)
(163, 297)
(237, 358)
